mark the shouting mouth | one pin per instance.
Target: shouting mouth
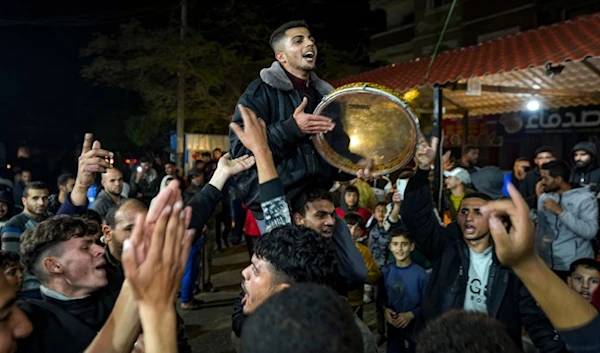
(327, 232)
(469, 229)
(309, 56)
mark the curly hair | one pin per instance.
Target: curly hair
(42, 241)
(460, 331)
(305, 318)
(298, 254)
(9, 258)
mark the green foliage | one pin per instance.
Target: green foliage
(223, 51)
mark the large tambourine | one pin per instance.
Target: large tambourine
(376, 123)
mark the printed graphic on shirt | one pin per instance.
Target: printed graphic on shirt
(477, 291)
(277, 213)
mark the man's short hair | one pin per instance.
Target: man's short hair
(353, 218)
(279, 33)
(194, 173)
(460, 331)
(468, 148)
(36, 185)
(521, 159)
(585, 263)
(558, 168)
(311, 193)
(217, 149)
(381, 204)
(109, 217)
(170, 163)
(304, 318)
(63, 179)
(9, 258)
(145, 159)
(42, 241)
(543, 149)
(297, 254)
(478, 195)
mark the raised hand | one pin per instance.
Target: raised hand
(156, 280)
(254, 134)
(310, 123)
(91, 161)
(517, 246)
(425, 155)
(365, 172)
(231, 167)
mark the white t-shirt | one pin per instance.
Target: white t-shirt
(479, 269)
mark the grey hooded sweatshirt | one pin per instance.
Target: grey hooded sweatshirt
(562, 239)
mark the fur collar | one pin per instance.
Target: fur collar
(275, 77)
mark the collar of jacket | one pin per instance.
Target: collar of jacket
(275, 77)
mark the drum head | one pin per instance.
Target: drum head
(372, 122)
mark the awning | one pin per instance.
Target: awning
(510, 70)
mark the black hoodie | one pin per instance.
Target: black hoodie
(588, 174)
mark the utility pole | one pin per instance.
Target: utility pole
(181, 90)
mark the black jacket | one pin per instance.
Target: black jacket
(507, 298)
(527, 187)
(273, 99)
(589, 174)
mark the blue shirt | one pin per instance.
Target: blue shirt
(405, 287)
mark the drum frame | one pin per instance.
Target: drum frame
(373, 88)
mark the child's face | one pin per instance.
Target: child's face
(351, 199)
(584, 281)
(14, 277)
(401, 248)
(355, 231)
(380, 213)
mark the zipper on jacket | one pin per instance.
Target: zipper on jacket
(557, 233)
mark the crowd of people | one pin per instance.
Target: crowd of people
(507, 262)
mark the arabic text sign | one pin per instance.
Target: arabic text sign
(563, 120)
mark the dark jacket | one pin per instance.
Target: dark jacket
(273, 99)
(527, 187)
(507, 298)
(589, 174)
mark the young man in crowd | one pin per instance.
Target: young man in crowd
(586, 171)
(466, 273)
(456, 182)
(355, 296)
(349, 203)
(65, 185)
(528, 185)
(400, 293)
(567, 219)
(35, 201)
(110, 196)
(468, 159)
(584, 277)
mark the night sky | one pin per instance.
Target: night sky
(43, 99)
(44, 102)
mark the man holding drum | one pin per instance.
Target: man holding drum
(283, 97)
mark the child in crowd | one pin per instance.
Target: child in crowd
(584, 277)
(11, 267)
(349, 203)
(400, 293)
(356, 224)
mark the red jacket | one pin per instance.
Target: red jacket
(366, 214)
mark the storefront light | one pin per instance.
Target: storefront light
(533, 105)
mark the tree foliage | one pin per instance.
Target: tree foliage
(223, 51)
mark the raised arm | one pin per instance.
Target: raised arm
(417, 208)
(567, 311)
(203, 203)
(273, 201)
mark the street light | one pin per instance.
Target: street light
(533, 105)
